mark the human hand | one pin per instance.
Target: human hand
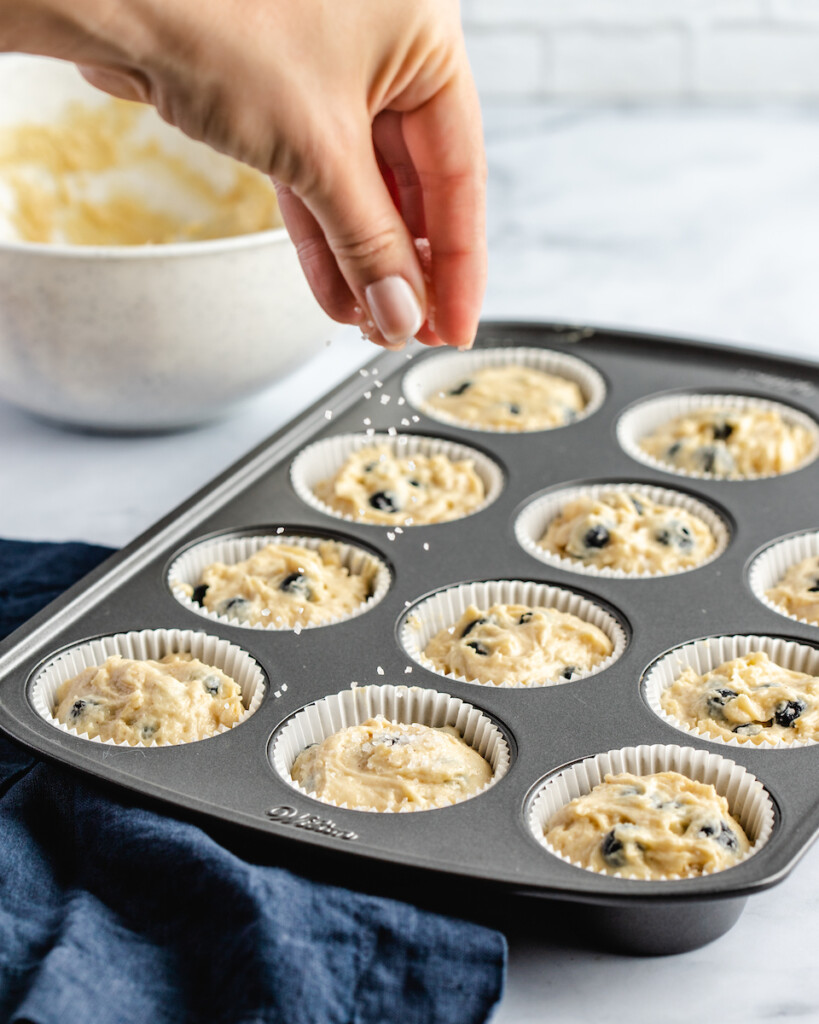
(350, 107)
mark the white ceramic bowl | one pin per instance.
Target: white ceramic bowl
(142, 337)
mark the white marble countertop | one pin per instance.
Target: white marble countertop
(690, 221)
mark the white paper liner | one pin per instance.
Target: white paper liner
(442, 372)
(533, 521)
(322, 460)
(404, 704)
(748, 800)
(148, 644)
(445, 608)
(644, 418)
(770, 565)
(704, 655)
(233, 548)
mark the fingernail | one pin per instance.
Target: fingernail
(394, 308)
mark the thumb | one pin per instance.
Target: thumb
(370, 242)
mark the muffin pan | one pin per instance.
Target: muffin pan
(484, 844)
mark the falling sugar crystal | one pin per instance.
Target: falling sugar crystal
(407, 670)
(426, 545)
(405, 422)
(328, 414)
(367, 421)
(379, 670)
(280, 529)
(416, 419)
(385, 399)
(391, 431)
(364, 372)
(390, 535)
(368, 394)
(401, 400)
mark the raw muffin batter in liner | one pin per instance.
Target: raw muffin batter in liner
(176, 699)
(628, 531)
(513, 397)
(391, 766)
(653, 826)
(394, 488)
(797, 592)
(750, 699)
(390, 748)
(520, 644)
(730, 442)
(284, 585)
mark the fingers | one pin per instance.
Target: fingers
(445, 143)
(125, 85)
(350, 204)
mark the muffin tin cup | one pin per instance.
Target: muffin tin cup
(405, 704)
(748, 800)
(443, 609)
(147, 644)
(644, 418)
(535, 518)
(322, 460)
(770, 565)
(448, 370)
(187, 568)
(704, 655)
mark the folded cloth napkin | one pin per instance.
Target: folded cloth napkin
(114, 914)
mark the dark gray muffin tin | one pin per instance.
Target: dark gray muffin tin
(481, 846)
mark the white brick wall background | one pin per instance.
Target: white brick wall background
(643, 50)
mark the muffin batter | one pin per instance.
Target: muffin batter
(177, 699)
(516, 643)
(649, 827)
(628, 532)
(377, 485)
(798, 590)
(284, 585)
(730, 443)
(68, 183)
(751, 699)
(390, 766)
(511, 398)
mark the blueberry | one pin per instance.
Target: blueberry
(297, 583)
(478, 648)
(722, 431)
(639, 507)
(234, 607)
(718, 698)
(78, 707)
(675, 534)
(199, 592)
(383, 501)
(751, 729)
(612, 850)
(674, 449)
(148, 729)
(596, 536)
(211, 685)
(459, 390)
(414, 483)
(569, 671)
(471, 625)
(814, 589)
(715, 458)
(721, 833)
(526, 617)
(787, 711)
(569, 415)
(707, 457)
(514, 409)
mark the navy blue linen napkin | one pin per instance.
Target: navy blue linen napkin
(114, 914)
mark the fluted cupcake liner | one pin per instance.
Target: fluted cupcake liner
(770, 565)
(535, 518)
(229, 549)
(748, 800)
(446, 370)
(443, 609)
(705, 655)
(404, 704)
(147, 644)
(322, 460)
(647, 416)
